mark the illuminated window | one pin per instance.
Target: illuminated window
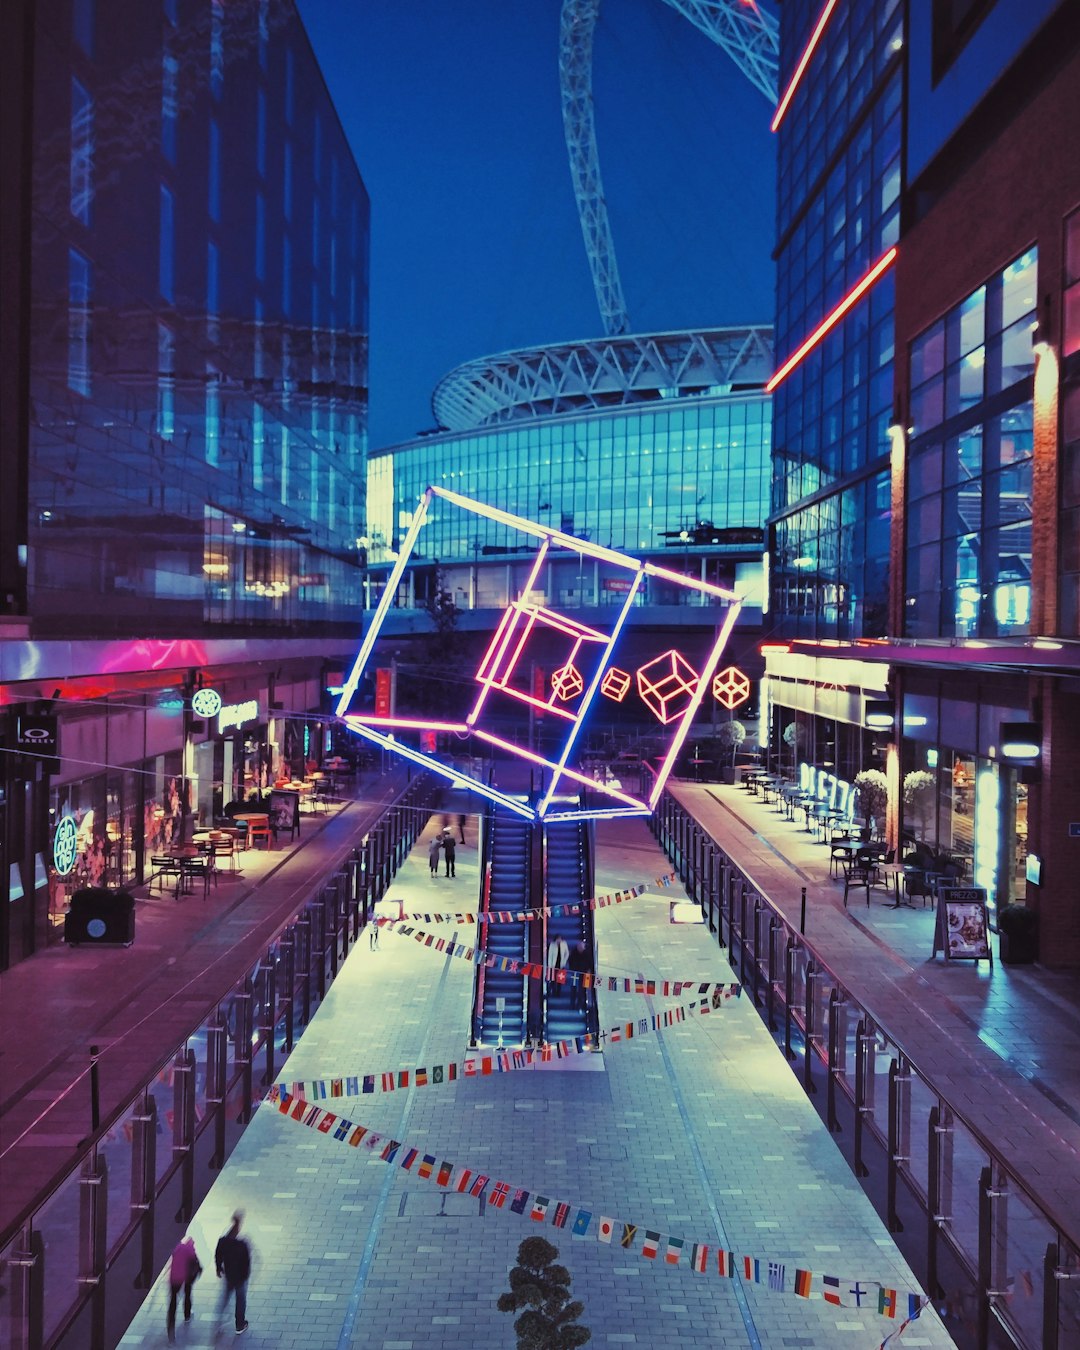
(82, 153)
(78, 347)
(166, 245)
(166, 412)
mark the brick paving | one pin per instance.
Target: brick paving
(703, 1132)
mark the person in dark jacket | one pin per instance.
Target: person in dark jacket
(232, 1259)
(449, 850)
(578, 962)
(184, 1270)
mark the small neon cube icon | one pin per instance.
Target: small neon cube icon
(567, 682)
(731, 687)
(666, 686)
(616, 684)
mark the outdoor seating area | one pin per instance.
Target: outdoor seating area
(859, 859)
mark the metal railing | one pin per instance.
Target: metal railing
(76, 1264)
(1000, 1260)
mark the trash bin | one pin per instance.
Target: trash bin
(100, 916)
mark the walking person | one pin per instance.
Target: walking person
(558, 955)
(232, 1259)
(184, 1269)
(434, 849)
(449, 849)
(373, 936)
(578, 962)
(461, 829)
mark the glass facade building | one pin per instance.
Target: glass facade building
(680, 477)
(198, 329)
(839, 184)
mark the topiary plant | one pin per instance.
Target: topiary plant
(919, 790)
(731, 735)
(542, 1288)
(873, 789)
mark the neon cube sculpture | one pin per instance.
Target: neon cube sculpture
(731, 687)
(615, 684)
(527, 634)
(667, 686)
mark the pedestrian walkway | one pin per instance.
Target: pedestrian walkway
(138, 1003)
(700, 1131)
(1002, 1043)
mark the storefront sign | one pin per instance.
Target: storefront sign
(961, 929)
(383, 692)
(37, 733)
(206, 703)
(65, 845)
(285, 811)
(238, 714)
(835, 792)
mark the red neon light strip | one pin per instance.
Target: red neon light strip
(507, 617)
(520, 694)
(569, 773)
(804, 61)
(831, 320)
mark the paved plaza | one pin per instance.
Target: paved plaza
(700, 1131)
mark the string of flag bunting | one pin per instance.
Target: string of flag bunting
(648, 1243)
(499, 1061)
(615, 984)
(546, 911)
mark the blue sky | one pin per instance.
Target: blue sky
(452, 109)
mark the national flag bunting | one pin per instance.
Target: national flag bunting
(562, 1213)
(803, 1280)
(606, 1230)
(539, 1208)
(725, 1263)
(650, 1244)
(628, 1231)
(674, 1251)
(777, 1276)
(752, 1269)
(699, 1256)
(886, 1304)
(520, 1200)
(831, 1291)
(581, 1223)
(498, 1195)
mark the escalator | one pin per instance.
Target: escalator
(568, 850)
(506, 870)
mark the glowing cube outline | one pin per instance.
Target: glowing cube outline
(649, 689)
(731, 688)
(380, 730)
(616, 684)
(566, 682)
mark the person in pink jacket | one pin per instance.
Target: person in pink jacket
(184, 1270)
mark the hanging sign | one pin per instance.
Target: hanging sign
(206, 703)
(65, 845)
(238, 714)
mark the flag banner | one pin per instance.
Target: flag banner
(872, 1295)
(504, 1062)
(613, 984)
(542, 911)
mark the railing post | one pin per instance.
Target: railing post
(217, 1077)
(837, 1054)
(287, 995)
(183, 1130)
(938, 1189)
(270, 1014)
(865, 1055)
(755, 952)
(303, 929)
(725, 905)
(317, 914)
(27, 1292)
(744, 896)
(244, 1030)
(1051, 1263)
(993, 1246)
(93, 1230)
(331, 913)
(809, 1022)
(775, 929)
(144, 1184)
(789, 994)
(899, 1136)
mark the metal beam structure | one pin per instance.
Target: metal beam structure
(741, 28)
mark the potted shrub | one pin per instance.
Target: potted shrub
(873, 790)
(550, 1319)
(730, 735)
(919, 788)
(1018, 935)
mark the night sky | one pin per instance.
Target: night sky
(452, 109)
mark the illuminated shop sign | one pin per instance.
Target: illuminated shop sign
(238, 714)
(65, 845)
(206, 703)
(837, 794)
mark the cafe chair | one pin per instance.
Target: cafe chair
(916, 883)
(162, 868)
(224, 848)
(838, 856)
(854, 877)
(257, 833)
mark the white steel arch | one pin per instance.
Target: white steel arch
(741, 28)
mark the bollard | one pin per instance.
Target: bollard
(802, 914)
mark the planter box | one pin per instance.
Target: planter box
(1018, 950)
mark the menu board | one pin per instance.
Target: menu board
(285, 810)
(962, 928)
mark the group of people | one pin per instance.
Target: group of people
(445, 843)
(563, 955)
(232, 1260)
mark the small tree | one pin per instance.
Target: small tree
(919, 789)
(542, 1288)
(795, 736)
(731, 735)
(873, 789)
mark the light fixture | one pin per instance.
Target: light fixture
(879, 714)
(1021, 740)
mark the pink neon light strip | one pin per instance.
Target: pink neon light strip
(541, 554)
(506, 617)
(361, 719)
(527, 698)
(384, 604)
(804, 61)
(614, 814)
(704, 683)
(831, 320)
(590, 694)
(569, 773)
